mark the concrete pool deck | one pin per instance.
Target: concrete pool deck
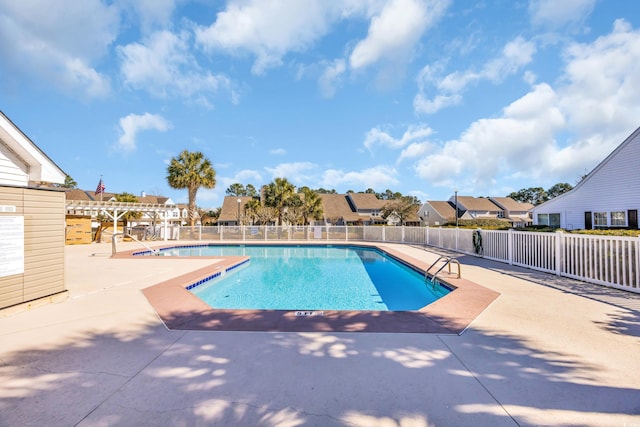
(536, 355)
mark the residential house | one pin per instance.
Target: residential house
(32, 221)
(367, 206)
(177, 215)
(436, 213)
(608, 197)
(232, 211)
(517, 213)
(338, 211)
(477, 207)
(411, 220)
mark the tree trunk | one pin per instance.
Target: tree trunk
(192, 206)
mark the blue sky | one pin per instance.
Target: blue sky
(416, 96)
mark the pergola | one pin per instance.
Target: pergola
(115, 210)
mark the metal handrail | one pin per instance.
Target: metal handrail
(113, 243)
(447, 263)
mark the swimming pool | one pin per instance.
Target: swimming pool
(312, 277)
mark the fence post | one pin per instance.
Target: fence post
(559, 246)
(637, 272)
(384, 237)
(402, 235)
(510, 246)
(346, 233)
(200, 232)
(457, 233)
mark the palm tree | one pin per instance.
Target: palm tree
(130, 198)
(252, 210)
(311, 205)
(191, 170)
(69, 182)
(278, 195)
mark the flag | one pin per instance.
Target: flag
(100, 188)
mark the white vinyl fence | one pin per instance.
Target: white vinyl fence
(604, 260)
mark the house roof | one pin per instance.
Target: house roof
(333, 206)
(40, 167)
(366, 201)
(337, 206)
(229, 210)
(508, 204)
(413, 215)
(444, 209)
(476, 204)
(160, 200)
(77, 194)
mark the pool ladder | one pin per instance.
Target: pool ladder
(447, 261)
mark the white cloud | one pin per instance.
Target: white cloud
(377, 136)
(387, 39)
(330, 78)
(268, 30)
(278, 151)
(376, 177)
(593, 109)
(132, 124)
(415, 150)
(244, 177)
(59, 43)
(298, 173)
(421, 104)
(164, 66)
(519, 140)
(555, 14)
(515, 55)
(602, 80)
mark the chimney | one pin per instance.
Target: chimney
(143, 194)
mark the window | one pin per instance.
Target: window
(552, 220)
(618, 219)
(600, 219)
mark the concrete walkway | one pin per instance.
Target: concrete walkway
(536, 356)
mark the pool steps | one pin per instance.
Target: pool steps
(216, 274)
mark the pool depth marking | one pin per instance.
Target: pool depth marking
(309, 313)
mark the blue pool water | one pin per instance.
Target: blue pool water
(284, 277)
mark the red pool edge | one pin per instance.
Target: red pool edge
(179, 309)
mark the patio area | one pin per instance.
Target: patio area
(559, 354)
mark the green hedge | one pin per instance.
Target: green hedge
(496, 224)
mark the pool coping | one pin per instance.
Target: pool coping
(179, 309)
